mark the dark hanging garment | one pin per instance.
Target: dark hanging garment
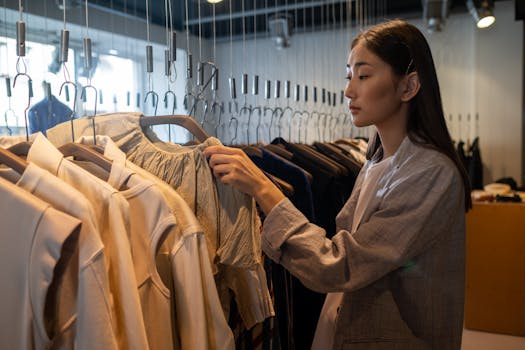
(475, 166)
(461, 154)
(294, 304)
(331, 184)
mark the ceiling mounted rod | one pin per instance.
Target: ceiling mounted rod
(261, 11)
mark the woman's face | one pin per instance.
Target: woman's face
(372, 88)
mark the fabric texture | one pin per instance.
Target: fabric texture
(200, 319)
(229, 218)
(32, 236)
(402, 270)
(111, 212)
(150, 220)
(89, 313)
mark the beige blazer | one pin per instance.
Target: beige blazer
(402, 270)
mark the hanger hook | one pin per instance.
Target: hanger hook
(247, 110)
(214, 107)
(274, 113)
(83, 96)
(236, 127)
(298, 113)
(174, 106)
(207, 108)
(308, 116)
(258, 108)
(65, 83)
(155, 99)
(29, 95)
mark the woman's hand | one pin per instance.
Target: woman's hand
(233, 167)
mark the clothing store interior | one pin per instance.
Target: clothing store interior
(107, 106)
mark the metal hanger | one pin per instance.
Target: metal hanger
(233, 119)
(30, 90)
(84, 97)
(154, 102)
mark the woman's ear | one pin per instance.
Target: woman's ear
(411, 86)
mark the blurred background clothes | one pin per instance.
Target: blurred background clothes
(47, 113)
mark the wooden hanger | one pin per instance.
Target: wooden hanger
(84, 152)
(185, 121)
(284, 186)
(12, 160)
(20, 149)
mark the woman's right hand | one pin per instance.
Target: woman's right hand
(233, 167)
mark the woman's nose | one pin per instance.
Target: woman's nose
(349, 91)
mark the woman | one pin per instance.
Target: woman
(394, 272)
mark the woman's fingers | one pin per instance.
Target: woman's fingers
(219, 149)
(233, 167)
(219, 158)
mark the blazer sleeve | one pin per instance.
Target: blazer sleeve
(414, 213)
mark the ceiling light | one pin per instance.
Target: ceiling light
(482, 11)
(214, 1)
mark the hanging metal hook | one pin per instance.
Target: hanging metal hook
(236, 127)
(307, 115)
(174, 105)
(205, 112)
(257, 108)
(214, 107)
(30, 94)
(246, 110)
(83, 96)
(283, 111)
(291, 125)
(274, 113)
(72, 116)
(155, 99)
(196, 100)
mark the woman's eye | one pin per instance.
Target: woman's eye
(348, 77)
(363, 77)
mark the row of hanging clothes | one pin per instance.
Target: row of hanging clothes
(129, 242)
(164, 254)
(116, 257)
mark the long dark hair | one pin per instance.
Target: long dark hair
(406, 50)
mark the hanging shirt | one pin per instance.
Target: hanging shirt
(149, 221)
(111, 211)
(90, 317)
(228, 217)
(46, 114)
(32, 236)
(200, 319)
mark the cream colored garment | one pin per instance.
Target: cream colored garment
(32, 235)
(150, 220)
(92, 317)
(111, 211)
(200, 320)
(228, 217)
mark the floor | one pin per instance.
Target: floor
(474, 340)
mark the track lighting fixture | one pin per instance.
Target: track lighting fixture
(482, 11)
